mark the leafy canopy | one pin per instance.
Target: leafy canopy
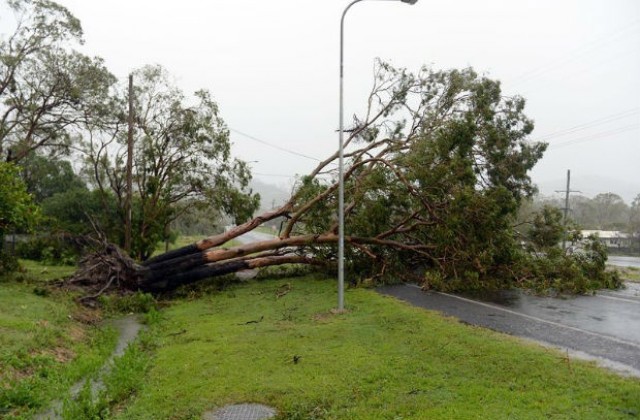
(182, 159)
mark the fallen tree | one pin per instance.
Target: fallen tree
(435, 172)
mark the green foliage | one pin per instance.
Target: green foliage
(439, 191)
(127, 374)
(137, 302)
(547, 230)
(119, 382)
(124, 377)
(43, 348)
(85, 406)
(557, 271)
(47, 89)
(48, 176)
(17, 210)
(610, 211)
(50, 249)
(182, 161)
(75, 211)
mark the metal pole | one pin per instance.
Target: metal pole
(341, 162)
(341, 168)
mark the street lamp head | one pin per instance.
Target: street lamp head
(409, 1)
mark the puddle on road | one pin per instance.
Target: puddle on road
(508, 298)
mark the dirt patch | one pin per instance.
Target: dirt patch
(61, 354)
(322, 317)
(87, 316)
(11, 374)
(76, 334)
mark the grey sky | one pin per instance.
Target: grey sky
(272, 65)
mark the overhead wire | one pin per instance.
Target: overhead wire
(275, 146)
(526, 77)
(590, 124)
(274, 175)
(595, 136)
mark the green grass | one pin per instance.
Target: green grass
(38, 271)
(629, 273)
(382, 360)
(120, 382)
(45, 342)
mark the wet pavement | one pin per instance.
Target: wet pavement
(622, 261)
(253, 236)
(248, 238)
(605, 327)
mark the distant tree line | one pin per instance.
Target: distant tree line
(605, 211)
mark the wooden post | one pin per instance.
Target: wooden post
(128, 197)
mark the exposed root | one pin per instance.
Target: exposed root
(108, 269)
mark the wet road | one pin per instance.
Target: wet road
(248, 238)
(623, 261)
(605, 326)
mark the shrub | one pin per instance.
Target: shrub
(51, 249)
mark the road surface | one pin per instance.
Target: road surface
(604, 327)
(623, 261)
(247, 238)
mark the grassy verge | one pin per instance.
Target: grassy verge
(629, 273)
(46, 341)
(118, 383)
(274, 342)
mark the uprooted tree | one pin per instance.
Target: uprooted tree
(435, 172)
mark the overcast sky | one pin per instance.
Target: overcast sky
(272, 66)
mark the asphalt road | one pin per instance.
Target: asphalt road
(248, 238)
(604, 327)
(623, 261)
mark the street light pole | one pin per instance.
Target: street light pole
(341, 160)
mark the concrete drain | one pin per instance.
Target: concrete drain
(241, 412)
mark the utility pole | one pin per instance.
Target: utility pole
(128, 197)
(566, 207)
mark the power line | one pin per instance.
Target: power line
(596, 136)
(604, 120)
(577, 53)
(275, 146)
(274, 175)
